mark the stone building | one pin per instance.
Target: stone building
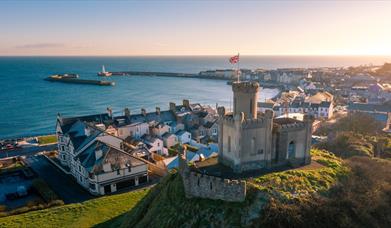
(251, 140)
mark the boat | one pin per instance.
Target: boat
(72, 79)
(104, 73)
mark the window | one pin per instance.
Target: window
(62, 148)
(188, 136)
(229, 143)
(260, 151)
(81, 178)
(198, 182)
(118, 172)
(210, 185)
(79, 168)
(158, 144)
(251, 106)
(92, 186)
(129, 169)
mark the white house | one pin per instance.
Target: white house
(169, 140)
(94, 157)
(154, 144)
(135, 130)
(160, 129)
(101, 169)
(183, 136)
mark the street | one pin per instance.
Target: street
(27, 151)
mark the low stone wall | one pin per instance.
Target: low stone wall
(205, 186)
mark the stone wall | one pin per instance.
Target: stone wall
(210, 187)
(204, 186)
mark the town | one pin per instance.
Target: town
(105, 153)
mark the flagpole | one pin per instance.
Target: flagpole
(237, 70)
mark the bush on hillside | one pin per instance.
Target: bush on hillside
(44, 190)
(348, 144)
(361, 200)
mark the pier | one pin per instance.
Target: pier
(64, 79)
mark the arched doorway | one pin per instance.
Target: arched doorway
(291, 150)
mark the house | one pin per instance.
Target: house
(183, 136)
(169, 140)
(160, 129)
(100, 168)
(154, 144)
(211, 128)
(94, 157)
(175, 126)
(136, 130)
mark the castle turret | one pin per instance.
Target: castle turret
(245, 98)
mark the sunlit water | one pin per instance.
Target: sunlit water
(29, 105)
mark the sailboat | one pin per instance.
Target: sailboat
(104, 73)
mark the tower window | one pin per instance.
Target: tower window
(251, 107)
(229, 143)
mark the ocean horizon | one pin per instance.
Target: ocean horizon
(29, 105)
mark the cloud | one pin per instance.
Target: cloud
(40, 45)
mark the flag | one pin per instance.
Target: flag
(234, 59)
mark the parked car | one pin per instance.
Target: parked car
(10, 147)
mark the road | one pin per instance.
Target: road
(27, 151)
(64, 186)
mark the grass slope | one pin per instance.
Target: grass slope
(166, 205)
(86, 214)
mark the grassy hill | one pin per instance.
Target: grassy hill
(166, 205)
(328, 193)
(86, 214)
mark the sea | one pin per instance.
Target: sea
(29, 105)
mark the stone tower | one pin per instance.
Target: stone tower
(245, 98)
(245, 138)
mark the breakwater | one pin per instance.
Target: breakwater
(79, 81)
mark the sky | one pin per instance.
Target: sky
(137, 28)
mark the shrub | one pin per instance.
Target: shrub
(3, 208)
(44, 190)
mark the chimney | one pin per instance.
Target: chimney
(186, 103)
(127, 114)
(143, 112)
(172, 106)
(110, 112)
(158, 111)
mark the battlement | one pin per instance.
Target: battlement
(211, 187)
(246, 123)
(245, 87)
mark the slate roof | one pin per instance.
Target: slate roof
(164, 116)
(167, 135)
(209, 124)
(118, 159)
(180, 132)
(67, 122)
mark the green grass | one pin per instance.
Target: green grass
(167, 206)
(298, 183)
(86, 214)
(47, 139)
